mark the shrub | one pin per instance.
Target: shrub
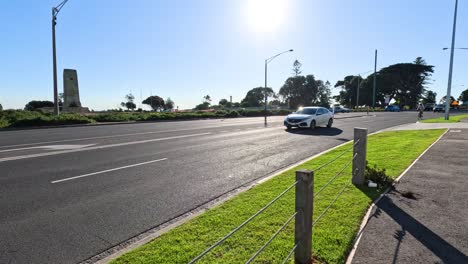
(378, 176)
(14, 118)
(33, 105)
(115, 117)
(20, 118)
(232, 114)
(282, 112)
(221, 113)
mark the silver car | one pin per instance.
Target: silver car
(309, 117)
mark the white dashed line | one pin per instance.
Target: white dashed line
(100, 147)
(104, 171)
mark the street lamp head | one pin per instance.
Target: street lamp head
(445, 49)
(291, 50)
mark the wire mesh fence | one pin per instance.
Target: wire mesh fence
(304, 200)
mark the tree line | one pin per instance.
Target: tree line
(297, 90)
(155, 102)
(401, 83)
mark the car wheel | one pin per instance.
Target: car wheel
(330, 123)
(312, 124)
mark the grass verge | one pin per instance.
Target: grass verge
(333, 235)
(453, 119)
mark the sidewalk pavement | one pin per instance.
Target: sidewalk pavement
(424, 219)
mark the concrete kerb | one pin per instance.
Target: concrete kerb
(153, 233)
(366, 218)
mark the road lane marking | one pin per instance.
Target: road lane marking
(99, 147)
(121, 135)
(105, 171)
(50, 147)
(88, 138)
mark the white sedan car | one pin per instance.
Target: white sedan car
(309, 117)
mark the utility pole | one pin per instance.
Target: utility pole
(375, 80)
(55, 11)
(266, 94)
(266, 70)
(449, 86)
(54, 64)
(357, 96)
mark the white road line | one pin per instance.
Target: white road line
(98, 147)
(50, 147)
(123, 135)
(87, 138)
(104, 171)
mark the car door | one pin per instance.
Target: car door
(327, 116)
(321, 116)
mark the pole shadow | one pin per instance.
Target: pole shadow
(409, 225)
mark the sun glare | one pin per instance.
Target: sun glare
(266, 15)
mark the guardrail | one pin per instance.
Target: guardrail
(305, 195)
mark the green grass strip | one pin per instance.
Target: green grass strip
(452, 119)
(332, 236)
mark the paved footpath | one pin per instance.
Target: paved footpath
(424, 219)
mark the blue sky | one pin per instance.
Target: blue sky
(185, 49)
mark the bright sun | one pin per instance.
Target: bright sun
(266, 15)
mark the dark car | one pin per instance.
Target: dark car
(428, 107)
(439, 108)
(339, 109)
(392, 108)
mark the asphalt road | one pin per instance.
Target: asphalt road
(67, 194)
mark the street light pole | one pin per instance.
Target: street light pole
(54, 62)
(449, 86)
(266, 94)
(375, 80)
(357, 96)
(55, 11)
(266, 75)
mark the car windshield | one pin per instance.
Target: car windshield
(307, 111)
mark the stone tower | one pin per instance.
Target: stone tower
(71, 93)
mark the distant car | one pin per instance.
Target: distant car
(392, 108)
(439, 108)
(429, 107)
(340, 109)
(309, 117)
